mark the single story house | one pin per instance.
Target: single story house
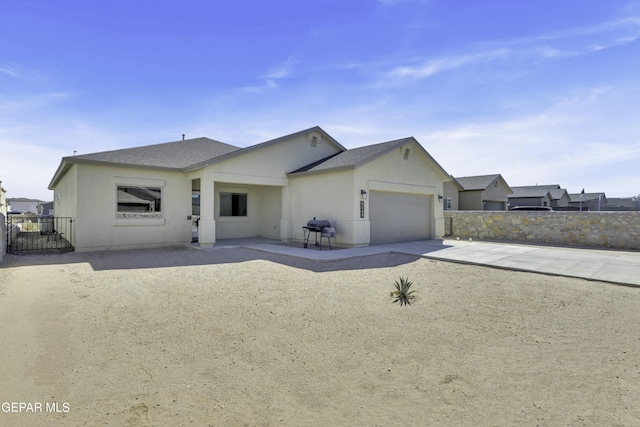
(559, 197)
(451, 193)
(622, 204)
(45, 209)
(3, 201)
(527, 196)
(161, 194)
(483, 193)
(588, 201)
(23, 205)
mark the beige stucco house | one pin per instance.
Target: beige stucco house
(166, 194)
(3, 201)
(483, 193)
(535, 195)
(451, 193)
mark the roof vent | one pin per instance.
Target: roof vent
(314, 138)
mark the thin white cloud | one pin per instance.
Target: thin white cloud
(9, 71)
(574, 142)
(559, 45)
(271, 79)
(442, 64)
(15, 104)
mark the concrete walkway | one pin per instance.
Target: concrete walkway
(620, 267)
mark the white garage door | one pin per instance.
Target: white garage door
(399, 217)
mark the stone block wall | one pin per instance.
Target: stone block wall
(592, 229)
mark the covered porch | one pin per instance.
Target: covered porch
(237, 210)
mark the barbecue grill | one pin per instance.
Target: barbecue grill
(316, 226)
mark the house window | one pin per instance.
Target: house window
(139, 202)
(233, 204)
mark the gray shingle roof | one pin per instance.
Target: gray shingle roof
(543, 187)
(479, 182)
(520, 192)
(174, 155)
(554, 189)
(575, 197)
(353, 157)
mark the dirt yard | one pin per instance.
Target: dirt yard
(236, 337)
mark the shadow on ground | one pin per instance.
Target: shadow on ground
(182, 256)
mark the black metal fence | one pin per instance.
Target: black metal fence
(29, 234)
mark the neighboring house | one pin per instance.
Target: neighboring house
(483, 193)
(588, 201)
(451, 190)
(45, 209)
(3, 201)
(153, 195)
(559, 197)
(23, 205)
(529, 196)
(622, 204)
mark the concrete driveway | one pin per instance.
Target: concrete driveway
(614, 266)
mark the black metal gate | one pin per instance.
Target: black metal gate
(30, 234)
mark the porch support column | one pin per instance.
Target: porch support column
(286, 223)
(207, 223)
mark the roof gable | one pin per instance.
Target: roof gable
(575, 197)
(555, 191)
(266, 144)
(481, 182)
(356, 157)
(524, 192)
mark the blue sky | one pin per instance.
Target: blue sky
(542, 92)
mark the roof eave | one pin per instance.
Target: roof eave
(67, 162)
(319, 171)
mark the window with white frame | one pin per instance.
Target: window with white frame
(138, 202)
(233, 204)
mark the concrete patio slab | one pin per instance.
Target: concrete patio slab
(620, 267)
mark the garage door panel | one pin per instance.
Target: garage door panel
(396, 217)
(493, 206)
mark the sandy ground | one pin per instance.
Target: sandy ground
(237, 337)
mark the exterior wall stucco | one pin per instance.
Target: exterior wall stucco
(65, 203)
(450, 190)
(336, 195)
(592, 229)
(96, 226)
(269, 165)
(470, 200)
(3, 201)
(415, 175)
(329, 196)
(496, 193)
(263, 173)
(263, 212)
(3, 239)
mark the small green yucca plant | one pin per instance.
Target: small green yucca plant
(403, 292)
